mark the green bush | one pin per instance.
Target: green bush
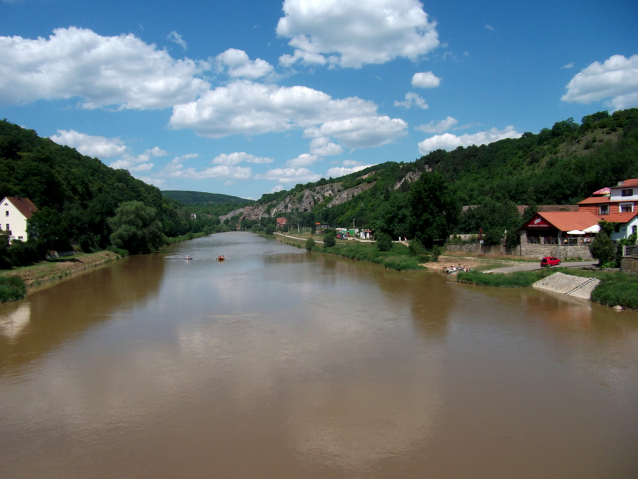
(416, 248)
(384, 242)
(117, 251)
(270, 230)
(23, 254)
(329, 240)
(12, 288)
(310, 244)
(603, 249)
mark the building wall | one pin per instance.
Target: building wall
(16, 221)
(561, 252)
(616, 194)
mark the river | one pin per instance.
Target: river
(279, 363)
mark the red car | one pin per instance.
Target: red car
(550, 261)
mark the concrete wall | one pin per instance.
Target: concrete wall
(629, 264)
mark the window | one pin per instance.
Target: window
(603, 210)
(626, 207)
(8, 228)
(20, 238)
(617, 228)
(634, 229)
(629, 192)
(7, 213)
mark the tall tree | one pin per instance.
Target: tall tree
(434, 210)
(136, 228)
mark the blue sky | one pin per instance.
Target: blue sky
(247, 97)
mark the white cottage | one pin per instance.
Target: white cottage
(14, 213)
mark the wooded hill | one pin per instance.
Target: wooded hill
(560, 165)
(81, 191)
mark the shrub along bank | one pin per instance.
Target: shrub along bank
(12, 289)
(398, 257)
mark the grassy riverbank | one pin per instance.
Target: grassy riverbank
(615, 289)
(52, 270)
(398, 258)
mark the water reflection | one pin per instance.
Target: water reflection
(67, 310)
(15, 318)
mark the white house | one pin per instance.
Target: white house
(14, 213)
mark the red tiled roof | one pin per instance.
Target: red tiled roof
(619, 217)
(570, 220)
(595, 200)
(630, 182)
(24, 205)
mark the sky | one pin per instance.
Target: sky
(247, 97)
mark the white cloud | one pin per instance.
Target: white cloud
(239, 157)
(120, 71)
(449, 141)
(338, 171)
(616, 79)
(94, 146)
(132, 163)
(425, 80)
(289, 175)
(175, 169)
(323, 147)
(438, 127)
(303, 160)
(361, 132)
(351, 33)
(412, 99)
(489, 27)
(239, 65)
(249, 108)
(152, 181)
(177, 38)
(351, 163)
(568, 66)
(277, 188)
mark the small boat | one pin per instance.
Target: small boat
(188, 257)
(220, 258)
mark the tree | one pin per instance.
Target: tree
(603, 249)
(136, 228)
(48, 231)
(384, 242)
(329, 238)
(310, 244)
(433, 209)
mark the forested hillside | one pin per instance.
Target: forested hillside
(559, 165)
(76, 195)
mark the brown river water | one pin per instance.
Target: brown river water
(280, 363)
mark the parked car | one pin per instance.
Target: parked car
(550, 261)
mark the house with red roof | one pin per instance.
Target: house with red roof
(569, 233)
(15, 212)
(617, 204)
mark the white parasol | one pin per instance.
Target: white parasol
(592, 229)
(575, 232)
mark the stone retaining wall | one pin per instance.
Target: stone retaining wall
(559, 251)
(482, 249)
(629, 264)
